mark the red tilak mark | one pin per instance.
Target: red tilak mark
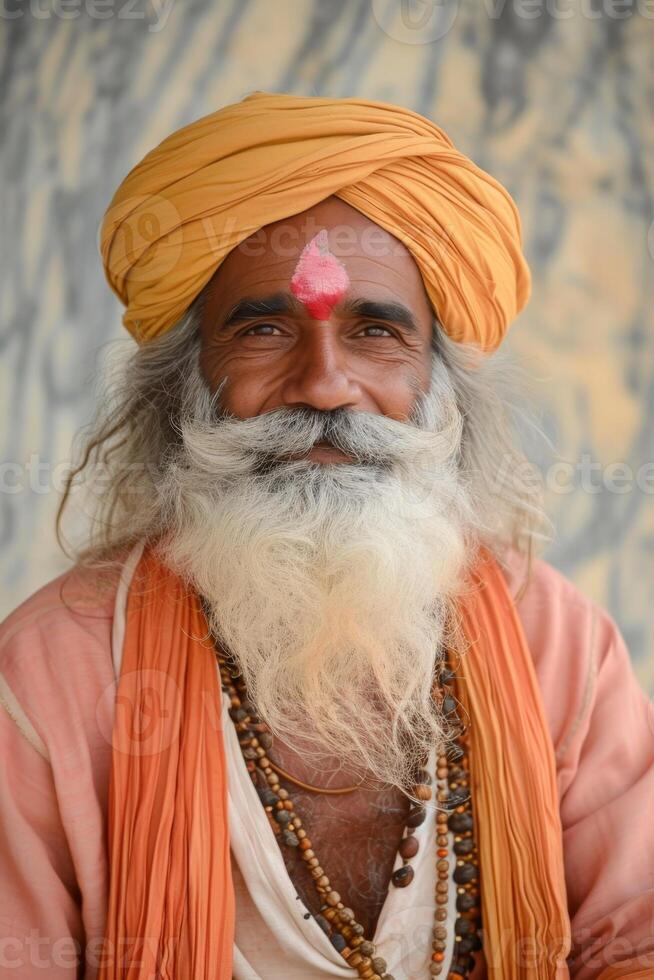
(319, 280)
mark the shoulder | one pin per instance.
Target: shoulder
(55, 658)
(570, 638)
(70, 609)
(553, 610)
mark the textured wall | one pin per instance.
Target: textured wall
(555, 99)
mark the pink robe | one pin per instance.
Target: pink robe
(56, 710)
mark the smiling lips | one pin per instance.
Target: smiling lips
(322, 450)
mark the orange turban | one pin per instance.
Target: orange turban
(212, 184)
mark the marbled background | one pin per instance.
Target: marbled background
(554, 98)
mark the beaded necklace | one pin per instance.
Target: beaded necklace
(452, 790)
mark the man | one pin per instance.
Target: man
(318, 601)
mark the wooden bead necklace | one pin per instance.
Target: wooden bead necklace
(452, 790)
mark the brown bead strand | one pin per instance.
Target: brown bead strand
(410, 845)
(347, 936)
(439, 943)
(460, 821)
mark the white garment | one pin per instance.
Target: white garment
(276, 938)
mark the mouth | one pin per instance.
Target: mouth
(324, 452)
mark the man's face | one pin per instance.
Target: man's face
(367, 350)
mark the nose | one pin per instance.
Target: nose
(320, 377)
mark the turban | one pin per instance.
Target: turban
(215, 182)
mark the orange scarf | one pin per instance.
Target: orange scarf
(171, 899)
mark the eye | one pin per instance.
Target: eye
(260, 329)
(381, 331)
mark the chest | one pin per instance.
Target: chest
(355, 838)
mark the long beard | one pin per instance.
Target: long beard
(331, 585)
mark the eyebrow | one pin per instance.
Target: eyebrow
(253, 309)
(388, 312)
(285, 303)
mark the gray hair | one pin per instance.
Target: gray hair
(122, 456)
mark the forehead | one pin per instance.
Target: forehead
(377, 263)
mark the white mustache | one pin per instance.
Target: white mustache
(246, 445)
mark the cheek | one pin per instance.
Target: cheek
(395, 386)
(240, 400)
(245, 388)
(211, 366)
(397, 400)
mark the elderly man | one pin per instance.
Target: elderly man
(307, 706)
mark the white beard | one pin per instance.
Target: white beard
(331, 585)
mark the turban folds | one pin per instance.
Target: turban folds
(212, 184)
